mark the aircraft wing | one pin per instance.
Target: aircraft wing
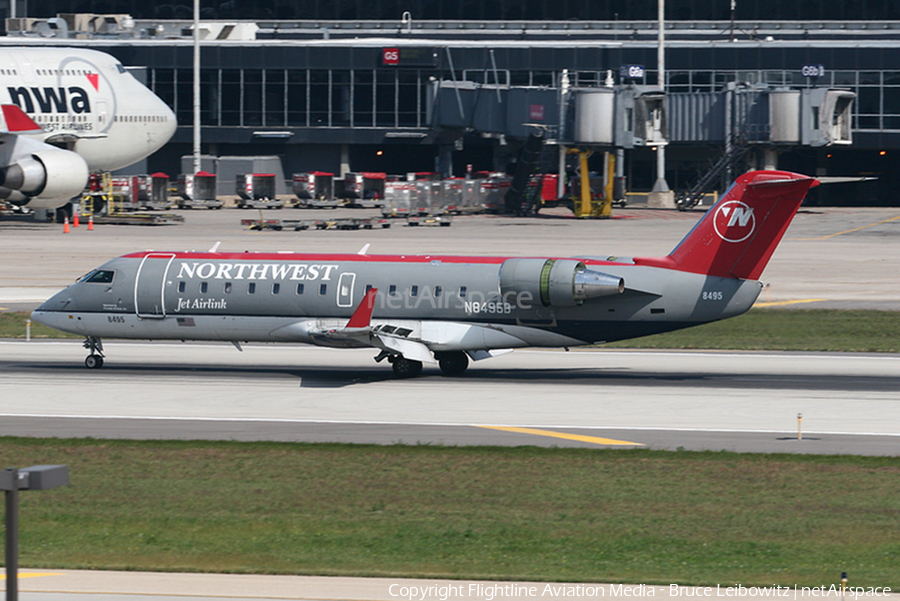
(359, 332)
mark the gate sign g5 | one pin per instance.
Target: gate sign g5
(390, 56)
(813, 71)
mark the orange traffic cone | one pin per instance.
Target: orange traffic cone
(66, 226)
(75, 219)
(91, 223)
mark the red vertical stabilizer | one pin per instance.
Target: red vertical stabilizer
(738, 235)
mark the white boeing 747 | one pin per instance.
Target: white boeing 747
(67, 112)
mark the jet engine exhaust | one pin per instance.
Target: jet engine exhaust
(594, 284)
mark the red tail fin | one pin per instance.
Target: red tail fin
(738, 235)
(363, 314)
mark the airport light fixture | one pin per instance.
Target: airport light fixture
(12, 480)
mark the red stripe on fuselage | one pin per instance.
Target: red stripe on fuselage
(411, 259)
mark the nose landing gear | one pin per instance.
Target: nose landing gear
(95, 346)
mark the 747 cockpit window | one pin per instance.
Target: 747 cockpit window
(99, 276)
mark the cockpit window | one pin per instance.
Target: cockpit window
(100, 276)
(120, 68)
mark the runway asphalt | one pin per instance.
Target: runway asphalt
(745, 402)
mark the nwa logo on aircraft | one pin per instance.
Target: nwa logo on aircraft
(734, 221)
(50, 100)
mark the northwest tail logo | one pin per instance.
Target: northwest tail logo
(734, 221)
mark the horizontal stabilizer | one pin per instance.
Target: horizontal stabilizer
(839, 179)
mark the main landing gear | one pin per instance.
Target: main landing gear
(95, 359)
(452, 363)
(405, 368)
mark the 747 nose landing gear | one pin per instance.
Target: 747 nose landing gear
(95, 359)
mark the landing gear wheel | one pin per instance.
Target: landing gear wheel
(95, 346)
(406, 368)
(452, 363)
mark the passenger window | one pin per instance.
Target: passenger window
(368, 287)
(227, 287)
(414, 291)
(204, 286)
(323, 289)
(462, 292)
(392, 290)
(299, 288)
(251, 288)
(437, 291)
(276, 288)
(180, 286)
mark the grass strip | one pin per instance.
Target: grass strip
(786, 330)
(499, 513)
(13, 325)
(759, 329)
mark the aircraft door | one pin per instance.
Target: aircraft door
(103, 115)
(345, 290)
(150, 286)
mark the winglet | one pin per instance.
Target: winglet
(15, 121)
(363, 314)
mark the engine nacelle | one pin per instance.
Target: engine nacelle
(557, 283)
(46, 178)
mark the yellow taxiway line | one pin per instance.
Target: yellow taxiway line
(856, 229)
(791, 302)
(31, 575)
(552, 434)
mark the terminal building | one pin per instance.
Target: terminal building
(405, 95)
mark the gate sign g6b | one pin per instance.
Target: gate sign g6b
(813, 71)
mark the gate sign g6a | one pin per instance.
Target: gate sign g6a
(631, 71)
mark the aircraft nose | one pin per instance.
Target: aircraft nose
(61, 301)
